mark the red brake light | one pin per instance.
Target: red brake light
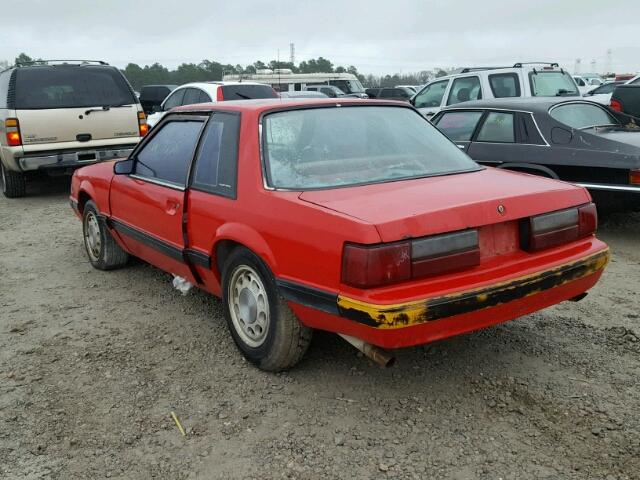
(557, 228)
(12, 127)
(365, 266)
(616, 105)
(219, 95)
(634, 177)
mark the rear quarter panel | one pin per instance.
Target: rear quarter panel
(93, 182)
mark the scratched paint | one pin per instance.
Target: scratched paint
(414, 313)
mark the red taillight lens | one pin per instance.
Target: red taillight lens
(142, 124)
(634, 177)
(616, 105)
(365, 266)
(12, 128)
(219, 95)
(557, 228)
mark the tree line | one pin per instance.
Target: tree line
(210, 70)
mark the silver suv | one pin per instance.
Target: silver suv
(533, 79)
(62, 114)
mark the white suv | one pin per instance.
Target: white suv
(62, 114)
(521, 80)
(205, 92)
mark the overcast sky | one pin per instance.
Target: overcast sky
(377, 36)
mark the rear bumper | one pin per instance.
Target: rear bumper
(65, 159)
(422, 321)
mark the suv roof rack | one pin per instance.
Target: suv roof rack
(520, 64)
(478, 69)
(61, 62)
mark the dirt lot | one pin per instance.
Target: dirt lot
(92, 364)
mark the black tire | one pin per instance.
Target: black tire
(285, 340)
(14, 184)
(105, 254)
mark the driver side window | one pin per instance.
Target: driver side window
(175, 99)
(167, 155)
(431, 95)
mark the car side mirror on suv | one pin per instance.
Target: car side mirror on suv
(123, 167)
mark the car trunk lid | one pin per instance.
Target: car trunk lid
(428, 206)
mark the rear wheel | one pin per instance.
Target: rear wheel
(103, 251)
(13, 184)
(261, 323)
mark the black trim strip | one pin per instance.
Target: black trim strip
(153, 242)
(198, 258)
(309, 296)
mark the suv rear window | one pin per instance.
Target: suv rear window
(245, 92)
(551, 83)
(44, 87)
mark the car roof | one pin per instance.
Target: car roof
(264, 104)
(529, 104)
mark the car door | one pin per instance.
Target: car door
(459, 125)
(499, 140)
(212, 194)
(429, 100)
(147, 205)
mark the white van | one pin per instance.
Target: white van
(521, 80)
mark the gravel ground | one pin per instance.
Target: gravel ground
(92, 363)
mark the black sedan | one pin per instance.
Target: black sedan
(573, 140)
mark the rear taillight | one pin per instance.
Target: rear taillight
(219, 95)
(373, 266)
(616, 105)
(143, 127)
(557, 228)
(12, 127)
(634, 177)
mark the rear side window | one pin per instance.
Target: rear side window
(498, 128)
(191, 96)
(464, 89)
(167, 155)
(245, 92)
(459, 126)
(5, 78)
(217, 159)
(604, 89)
(635, 82)
(431, 95)
(175, 99)
(43, 87)
(551, 83)
(504, 85)
(203, 97)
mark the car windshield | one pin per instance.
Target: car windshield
(331, 147)
(247, 91)
(43, 87)
(582, 115)
(551, 83)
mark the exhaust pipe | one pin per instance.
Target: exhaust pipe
(378, 355)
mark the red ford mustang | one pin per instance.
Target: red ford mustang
(356, 217)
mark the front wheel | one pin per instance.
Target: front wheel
(103, 251)
(261, 323)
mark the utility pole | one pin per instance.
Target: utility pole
(292, 50)
(609, 61)
(576, 67)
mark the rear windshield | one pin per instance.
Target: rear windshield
(353, 145)
(582, 115)
(71, 86)
(552, 83)
(246, 92)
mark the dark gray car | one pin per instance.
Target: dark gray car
(574, 140)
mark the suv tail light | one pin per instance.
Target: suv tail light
(219, 94)
(556, 228)
(634, 177)
(12, 127)
(366, 266)
(142, 124)
(616, 105)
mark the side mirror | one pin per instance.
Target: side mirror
(123, 167)
(156, 108)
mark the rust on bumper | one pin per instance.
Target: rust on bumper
(421, 311)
